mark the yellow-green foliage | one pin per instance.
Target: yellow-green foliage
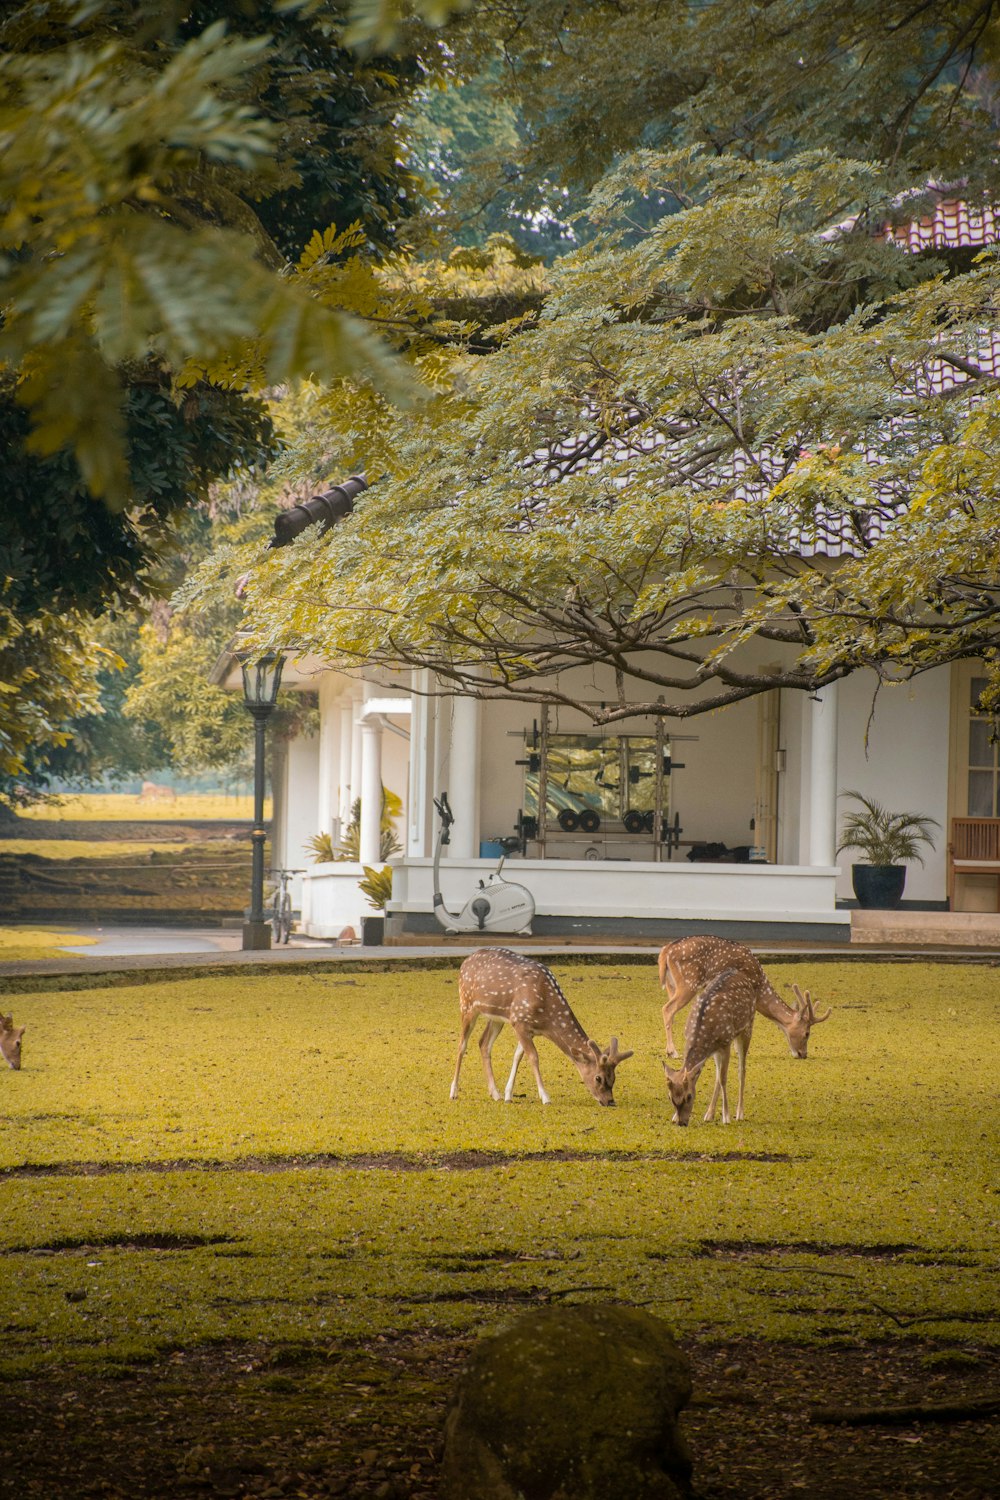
(37, 942)
(884, 1138)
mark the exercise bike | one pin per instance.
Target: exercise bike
(497, 906)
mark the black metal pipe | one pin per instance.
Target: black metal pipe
(325, 509)
(257, 931)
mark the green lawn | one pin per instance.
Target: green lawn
(858, 1200)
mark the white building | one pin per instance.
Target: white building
(760, 778)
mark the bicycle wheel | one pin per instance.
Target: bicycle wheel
(285, 919)
(275, 917)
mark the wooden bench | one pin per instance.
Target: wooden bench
(974, 850)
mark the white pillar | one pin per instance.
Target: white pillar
(371, 793)
(421, 757)
(355, 750)
(822, 814)
(345, 748)
(463, 778)
(326, 789)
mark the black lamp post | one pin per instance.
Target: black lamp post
(261, 680)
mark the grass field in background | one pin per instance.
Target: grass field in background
(18, 943)
(276, 1158)
(119, 806)
(106, 849)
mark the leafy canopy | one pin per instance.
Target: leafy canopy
(656, 472)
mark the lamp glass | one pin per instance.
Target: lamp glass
(261, 679)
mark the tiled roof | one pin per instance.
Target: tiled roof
(828, 532)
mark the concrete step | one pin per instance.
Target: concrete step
(920, 929)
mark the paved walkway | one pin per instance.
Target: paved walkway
(141, 949)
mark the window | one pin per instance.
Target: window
(983, 758)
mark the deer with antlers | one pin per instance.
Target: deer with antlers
(688, 964)
(10, 1041)
(506, 988)
(722, 1015)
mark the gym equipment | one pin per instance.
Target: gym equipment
(497, 906)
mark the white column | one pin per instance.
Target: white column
(822, 812)
(355, 750)
(371, 793)
(463, 778)
(420, 754)
(326, 803)
(345, 748)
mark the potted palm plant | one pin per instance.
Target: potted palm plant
(887, 841)
(376, 887)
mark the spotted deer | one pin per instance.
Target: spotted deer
(10, 1041)
(506, 988)
(688, 964)
(721, 1015)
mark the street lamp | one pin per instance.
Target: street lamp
(261, 681)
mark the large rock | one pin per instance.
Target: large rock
(567, 1404)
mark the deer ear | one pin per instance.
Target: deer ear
(595, 1048)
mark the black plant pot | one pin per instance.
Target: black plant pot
(373, 931)
(878, 886)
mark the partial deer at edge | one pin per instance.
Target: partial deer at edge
(722, 1015)
(688, 964)
(10, 1041)
(507, 988)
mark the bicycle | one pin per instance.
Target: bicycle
(281, 905)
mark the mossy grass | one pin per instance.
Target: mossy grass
(275, 1158)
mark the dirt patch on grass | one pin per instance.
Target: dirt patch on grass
(149, 1241)
(748, 1249)
(365, 1420)
(383, 1161)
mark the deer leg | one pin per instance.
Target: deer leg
(463, 1041)
(742, 1047)
(673, 1005)
(508, 1092)
(531, 1053)
(489, 1036)
(721, 1072)
(716, 1090)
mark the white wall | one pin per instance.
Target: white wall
(296, 798)
(905, 767)
(714, 793)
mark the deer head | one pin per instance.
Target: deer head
(599, 1076)
(10, 1041)
(806, 1018)
(681, 1086)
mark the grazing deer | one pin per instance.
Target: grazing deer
(504, 986)
(10, 1041)
(688, 964)
(723, 1014)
